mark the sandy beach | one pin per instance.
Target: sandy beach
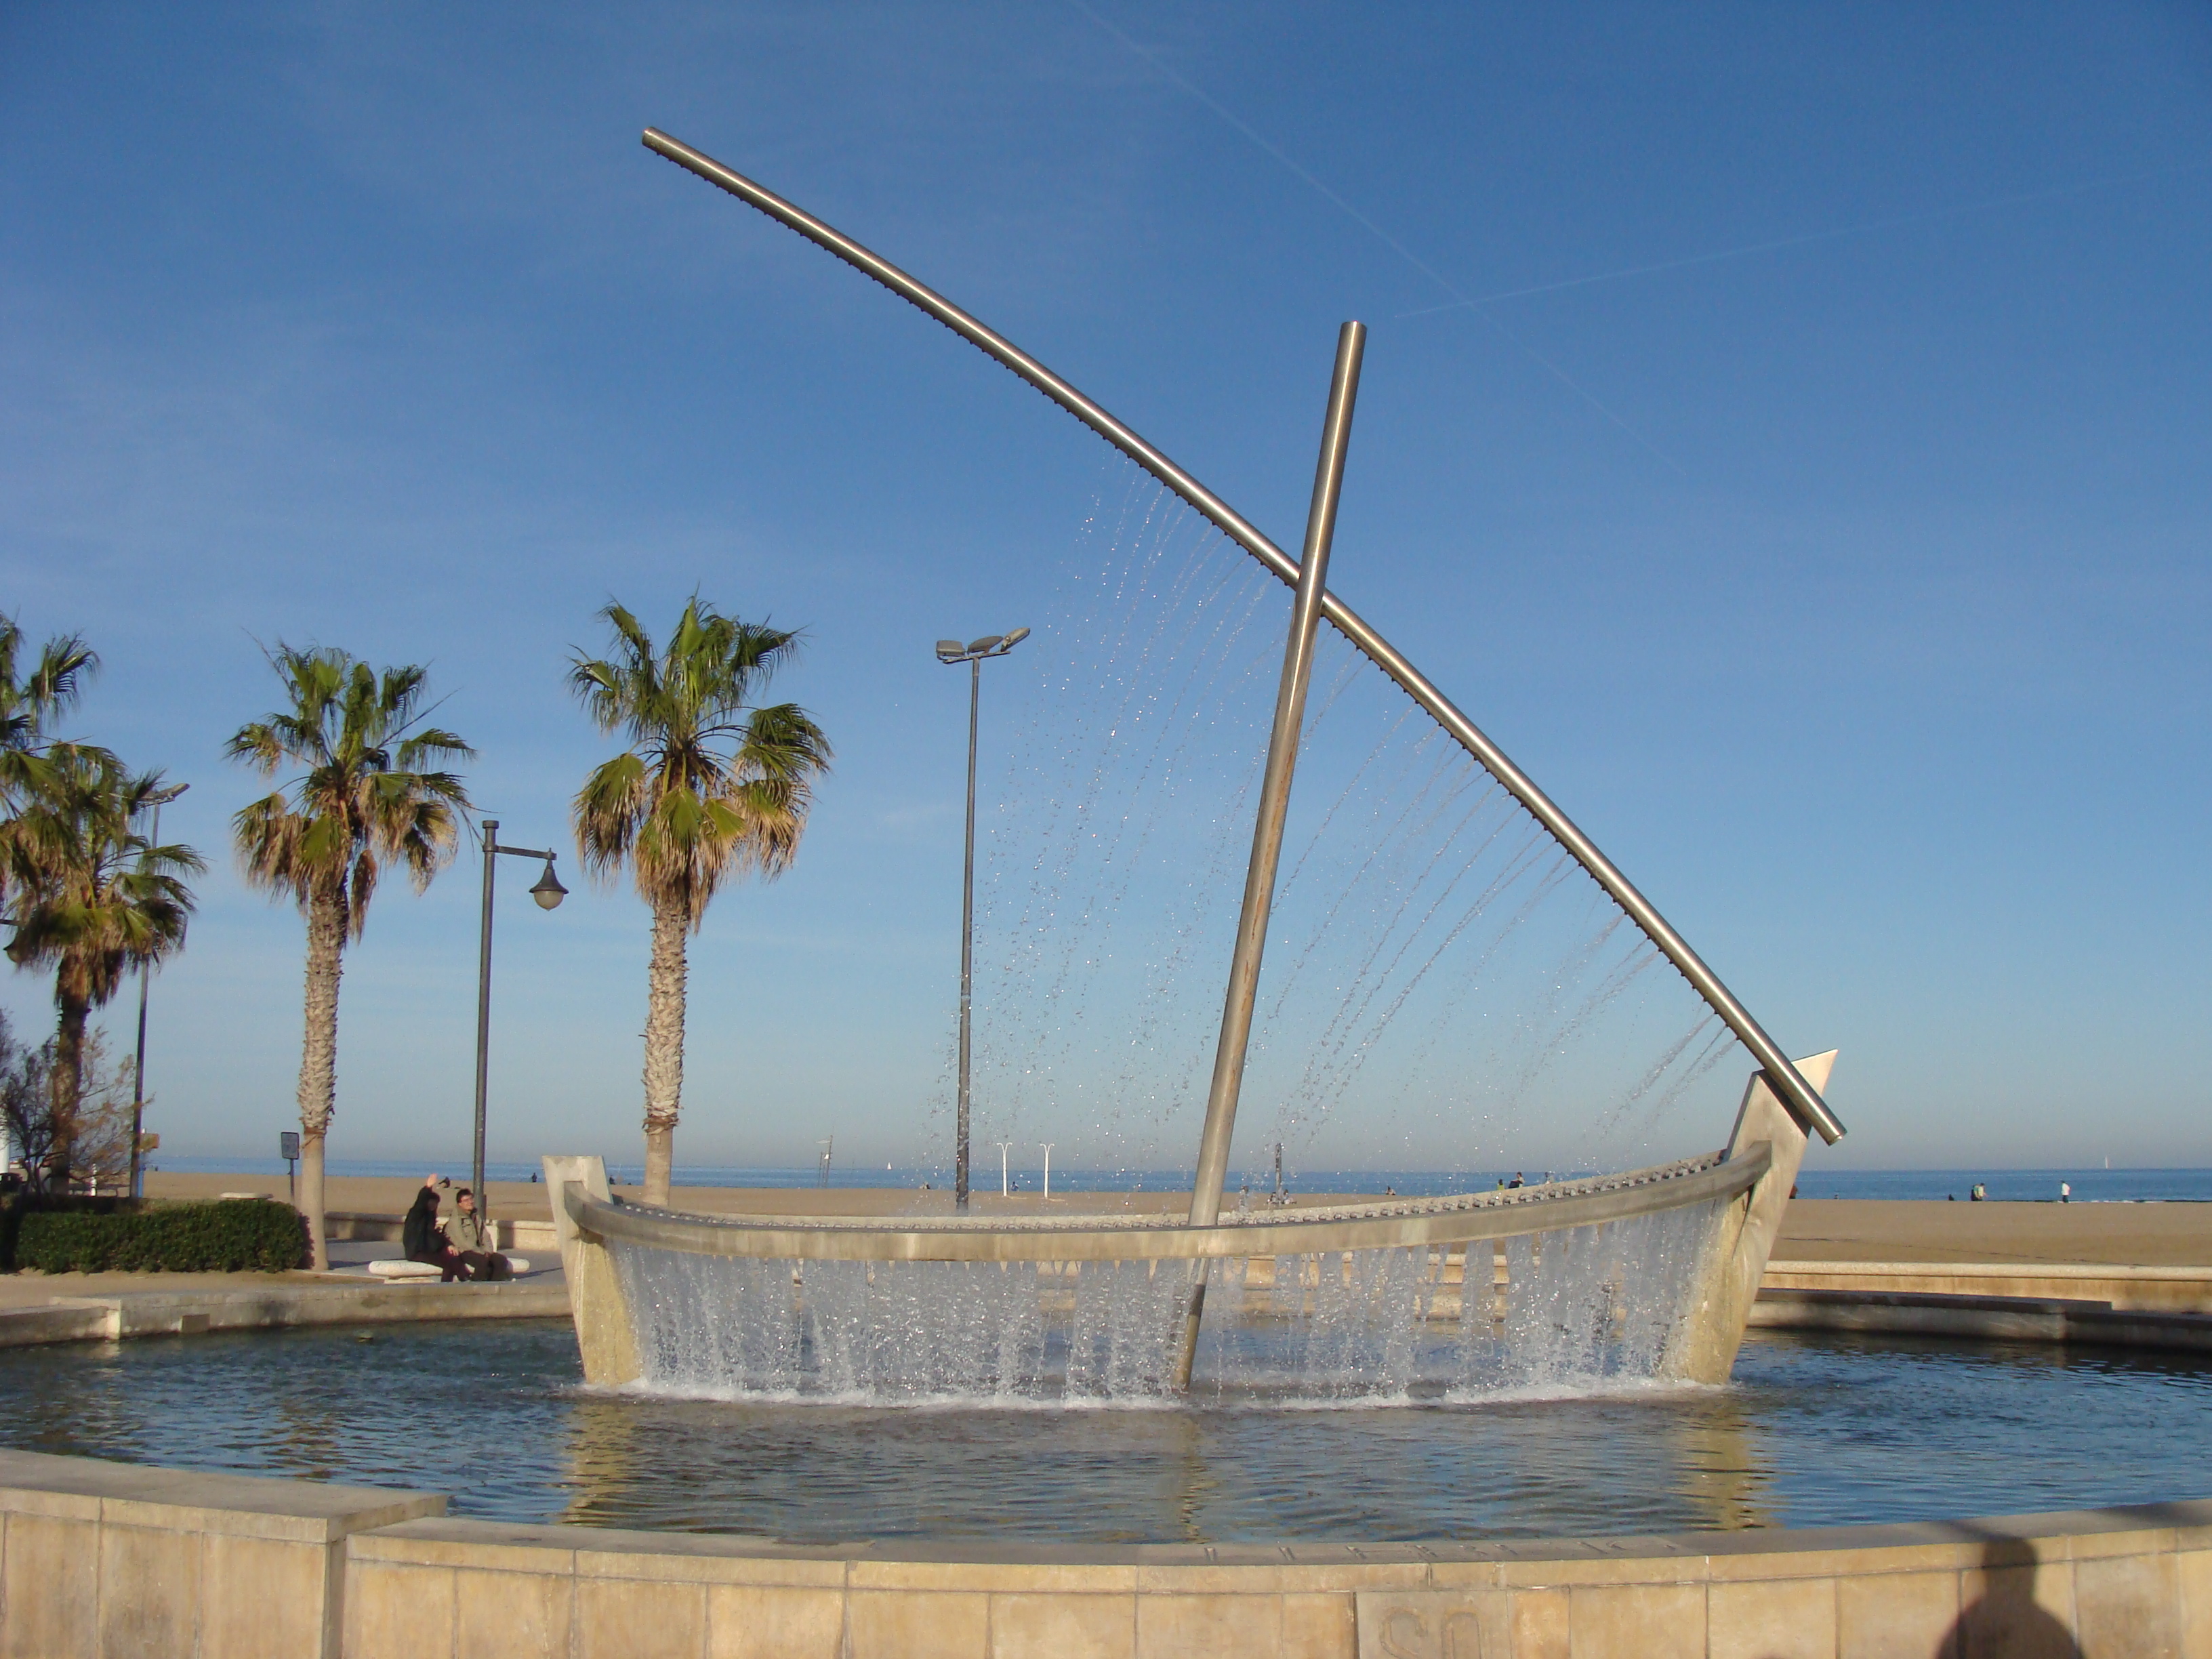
(1816, 1230)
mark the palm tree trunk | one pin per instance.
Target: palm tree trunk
(663, 1044)
(318, 1065)
(68, 1078)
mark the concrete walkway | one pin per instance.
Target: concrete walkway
(37, 1308)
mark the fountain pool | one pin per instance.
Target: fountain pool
(1814, 1429)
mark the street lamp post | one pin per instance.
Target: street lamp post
(1048, 1171)
(145, 975)
(972, 654)
(1005, 1146)
(549, 893)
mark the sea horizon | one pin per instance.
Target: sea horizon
(2088, 1184)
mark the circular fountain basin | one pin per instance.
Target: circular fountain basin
(1815, 1429)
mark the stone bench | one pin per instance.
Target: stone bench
(429, 1270)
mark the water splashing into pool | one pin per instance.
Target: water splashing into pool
(1576, 1311)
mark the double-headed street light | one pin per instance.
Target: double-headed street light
(549, 892)
(157, 800)
(973, 654)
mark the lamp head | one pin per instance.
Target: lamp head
(549, 892)
(982, 647)
(951, 651)
(1013, 639)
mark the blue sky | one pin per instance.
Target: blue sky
(1815, 498)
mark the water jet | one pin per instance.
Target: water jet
(1553, 1275)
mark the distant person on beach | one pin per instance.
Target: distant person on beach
(468, 1233)
(422, 1240)
(1519, 1180)
(2065, 1192)
(1977, 1193)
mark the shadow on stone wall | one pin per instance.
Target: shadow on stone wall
(2007, 1619)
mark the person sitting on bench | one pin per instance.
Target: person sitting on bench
(424, 1241)
(471, 1235)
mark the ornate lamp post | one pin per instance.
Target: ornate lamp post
(549, 892)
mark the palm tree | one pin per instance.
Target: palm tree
(711, 789)
(28, 705)
(91, 898)
(364, 797)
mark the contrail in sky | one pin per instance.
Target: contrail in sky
(1460, 298)
(1750, 248)
(1480, 303)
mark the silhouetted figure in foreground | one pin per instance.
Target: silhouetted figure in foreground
(2005, 1619)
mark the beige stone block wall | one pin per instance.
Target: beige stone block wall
(1075, 1627)
(1897, 1613)
(788, 1621)
(49, 1584)
(2083, 1586)
(113, 1559)
(389, 1609)
(107, 1559)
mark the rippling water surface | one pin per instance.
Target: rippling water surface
(1815, 1429)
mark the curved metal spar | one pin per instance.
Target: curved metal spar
(1803, 1101)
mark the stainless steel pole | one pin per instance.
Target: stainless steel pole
(1229, 1053)
(967, 939)
(484, 1009)
(138, 1071)
(1235, 1043)
(1803, 1101)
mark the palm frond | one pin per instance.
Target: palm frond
(712, 789)
(367, 790)
(89, 896)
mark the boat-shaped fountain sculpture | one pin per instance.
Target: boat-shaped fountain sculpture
(1650, 1273)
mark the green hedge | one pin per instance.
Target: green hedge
(18, 1204)
(241, 1234)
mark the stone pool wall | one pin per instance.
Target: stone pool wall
(111, 1559)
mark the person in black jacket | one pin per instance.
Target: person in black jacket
(421, 1237)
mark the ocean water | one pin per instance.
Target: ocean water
(2028, 1186)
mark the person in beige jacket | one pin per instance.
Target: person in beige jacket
(469, 1233)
